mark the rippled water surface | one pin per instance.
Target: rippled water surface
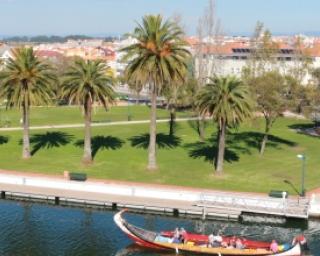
(32, 229)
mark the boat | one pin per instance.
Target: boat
(163, 241)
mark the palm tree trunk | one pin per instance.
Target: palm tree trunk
(172, 119)
(200, 127)
(152, 161)
(265, 137)
(87, 154)
(221, 148)
(26, 137)
(138, 98)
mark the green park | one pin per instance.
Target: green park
(120, 151)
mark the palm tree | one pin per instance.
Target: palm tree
(227, 100)
(26, 81)
(85, 83)
(158, 57)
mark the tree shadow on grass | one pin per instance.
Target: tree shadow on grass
(4, 140)
(302, 126)
(208, 152)
(236, 143)
(253, 140)
(164, 141)
(308, 129)
(49, 140)
(102, 143)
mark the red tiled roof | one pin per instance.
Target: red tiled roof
(48, 54)
(314, 50)
(192, 41)
(224, 48)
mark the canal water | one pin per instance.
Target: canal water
(39, 230)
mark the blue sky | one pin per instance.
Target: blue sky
(61, 17)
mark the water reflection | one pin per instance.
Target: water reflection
(32, 230)
(133, 250)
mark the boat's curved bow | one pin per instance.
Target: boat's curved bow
(123, 225)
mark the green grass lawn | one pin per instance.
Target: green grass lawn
(72, 115)
(121, 154)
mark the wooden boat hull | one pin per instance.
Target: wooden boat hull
(149, 239)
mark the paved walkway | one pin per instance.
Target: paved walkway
(64, 126)
(129, 183)
(149, 196)
(124, 194)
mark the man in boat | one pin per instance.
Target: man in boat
(176, 236)
(214, 241)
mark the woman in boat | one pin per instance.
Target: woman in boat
(232, 243)
(183, 235)
(274, 246)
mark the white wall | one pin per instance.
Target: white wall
(234, 67)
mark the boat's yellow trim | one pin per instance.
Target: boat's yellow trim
(216, 250)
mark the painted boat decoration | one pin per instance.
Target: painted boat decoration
(196, 244)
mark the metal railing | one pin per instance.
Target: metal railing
(275, 206)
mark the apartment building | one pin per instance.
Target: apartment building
(230, 57)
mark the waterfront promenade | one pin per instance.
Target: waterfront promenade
(170, 200)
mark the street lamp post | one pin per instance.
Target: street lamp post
(302, 157)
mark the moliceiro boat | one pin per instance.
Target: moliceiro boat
(200, 244)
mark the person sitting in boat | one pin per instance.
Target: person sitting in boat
(274, 246)
(183, 235)
(232, 243)
(211, 240)
(214, 241)
(239, 244)
(176, 236)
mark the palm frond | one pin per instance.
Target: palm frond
(88, 79)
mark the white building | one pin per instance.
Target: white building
(5, 52)
(230, 57)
